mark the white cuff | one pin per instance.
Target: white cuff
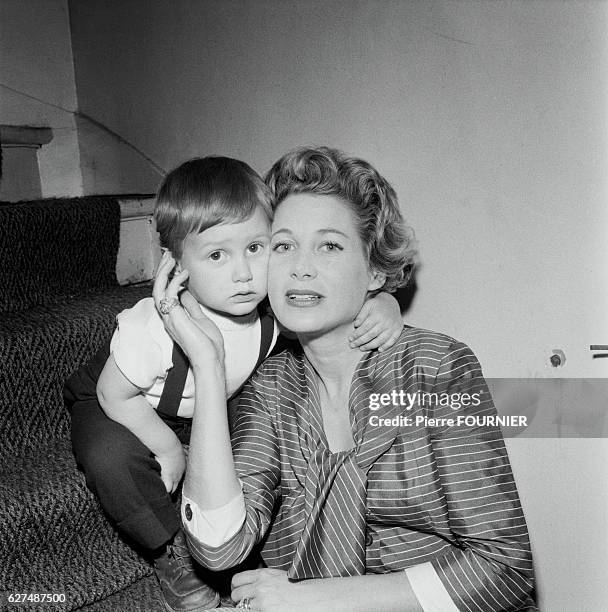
(214, 527)
(428, 588)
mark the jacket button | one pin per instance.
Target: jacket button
(188, 512)
(369, 539)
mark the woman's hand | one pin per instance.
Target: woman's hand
(378, 324)
(184, 321)
(172, 467)
(269, 590)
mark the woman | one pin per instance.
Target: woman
(360, 484)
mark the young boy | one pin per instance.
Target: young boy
(213, 217)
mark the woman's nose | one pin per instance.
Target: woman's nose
(303, 267)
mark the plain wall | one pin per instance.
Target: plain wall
(37, 86)
(490, 120)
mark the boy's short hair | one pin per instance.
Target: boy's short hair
(204, 192)
(383, 232)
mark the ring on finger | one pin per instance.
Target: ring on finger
(167, 305)
(245, 603)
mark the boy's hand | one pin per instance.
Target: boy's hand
(172, 467)
(378, 324)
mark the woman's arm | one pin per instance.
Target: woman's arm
(124, 403)
(211, 480)
(271, 591)
(256, 460)
(491, 567)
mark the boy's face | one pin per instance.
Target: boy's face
(228, 264)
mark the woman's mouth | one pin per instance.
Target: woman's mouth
(302, 298)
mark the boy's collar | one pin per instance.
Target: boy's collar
(226, 322)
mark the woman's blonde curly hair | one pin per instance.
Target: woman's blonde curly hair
(383, 232)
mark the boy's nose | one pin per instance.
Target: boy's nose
(242, 271)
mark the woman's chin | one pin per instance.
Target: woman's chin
(301, 328)
(299, 320)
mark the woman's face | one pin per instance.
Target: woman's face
(318, 275)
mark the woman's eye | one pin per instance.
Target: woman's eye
(331, 247)
(282, 247)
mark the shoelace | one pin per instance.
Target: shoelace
(180, 555)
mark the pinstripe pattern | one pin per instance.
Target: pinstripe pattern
(442, 495)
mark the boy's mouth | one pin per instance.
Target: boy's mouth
(244, 296)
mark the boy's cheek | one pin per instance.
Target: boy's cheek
(261, 275)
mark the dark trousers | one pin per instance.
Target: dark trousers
(124, 475)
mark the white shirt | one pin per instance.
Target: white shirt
(143, 351)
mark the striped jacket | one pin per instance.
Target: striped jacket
(438, 491)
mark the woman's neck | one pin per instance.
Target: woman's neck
(331, 356)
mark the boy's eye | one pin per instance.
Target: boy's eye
(215, 256)
(256, 247)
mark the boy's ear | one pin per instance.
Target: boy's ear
(377, 280)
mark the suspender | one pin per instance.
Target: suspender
(173, 390)
(174, 384)
(266, 335)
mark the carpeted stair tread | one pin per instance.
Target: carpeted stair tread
(60, 247)
(143, 596)
(81, 306)
(39, 350)
(54, 537)
(58, 301)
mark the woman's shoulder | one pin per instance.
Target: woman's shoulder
(418, 338)
(413, 341)
(288, 357)
(430, 350)
(283, 368)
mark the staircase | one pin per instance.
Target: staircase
(58, 301)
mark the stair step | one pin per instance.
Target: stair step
(143, 596)
(54, 537)
(39, 350)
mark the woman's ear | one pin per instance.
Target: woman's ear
(377, 280)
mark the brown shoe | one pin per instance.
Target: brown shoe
(183, 590)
